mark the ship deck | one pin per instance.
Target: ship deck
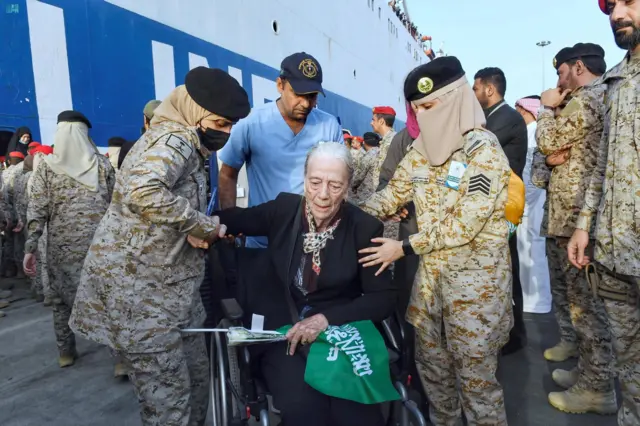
(34, 391)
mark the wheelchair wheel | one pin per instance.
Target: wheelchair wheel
(231, 408)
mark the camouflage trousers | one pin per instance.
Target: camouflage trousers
(624, 319)
(460, 382)
(40, 283)
(558, 266)
(18, 248)
(8, 262)
(172, 386)
(64, 277)
(589, 321)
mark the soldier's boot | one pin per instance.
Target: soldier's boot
(561, 352)
(565, 378)
(580, 401)
(5, 294)
(47, 301)
(67, 359)
(4, 304)
(120, 371)
(2, 314)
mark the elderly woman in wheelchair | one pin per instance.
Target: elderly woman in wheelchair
(309, 276)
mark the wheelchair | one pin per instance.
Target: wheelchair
(238, 394)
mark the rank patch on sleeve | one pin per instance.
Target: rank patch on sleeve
(181, 146)
(479, 184)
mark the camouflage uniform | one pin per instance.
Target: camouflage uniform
(581, 317)
(363, 184)
(141, 279)
(13, 242)
(461, 298)
(21, 201)
(391, 229)
(71, 213)
(613, 197)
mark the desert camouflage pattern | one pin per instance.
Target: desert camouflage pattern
(172, 386)
(71, 212)
(20, 202)
(462, 290)
(5, 210)
(577, 126)
(363, 185)
(613, 194)
(12, 242)
(540, 176)
(385, 143)
(482, 396)
(582, 318)
(141, 279)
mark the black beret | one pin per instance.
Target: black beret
(217, 92)
(432, 76)
(116, 141)
(371, 139)
(580, 50)
(73, 117)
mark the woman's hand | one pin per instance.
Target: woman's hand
(385, 254)
(306, 331)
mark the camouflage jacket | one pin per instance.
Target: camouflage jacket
(464, 278)
(5, 210)
(540, 175)
(21, 196)
(141, 277)
(363, 185)
(613, 194)
(8, 179)
(577, 126)
(70, 210)
(385, 143)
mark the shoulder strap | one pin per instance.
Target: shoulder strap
(295, 316)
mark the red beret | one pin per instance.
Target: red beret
(358, 138)
(603, 6)
(45, 149)
(347, 136)
(2, 159)
(34, 144)
(384, 110)
(16, 154)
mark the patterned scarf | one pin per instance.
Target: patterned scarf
(316, 241)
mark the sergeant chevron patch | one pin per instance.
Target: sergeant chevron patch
(479, 183)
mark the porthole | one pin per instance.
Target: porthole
(275, 27)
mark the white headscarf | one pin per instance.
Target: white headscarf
(442, 128)
(75, 155)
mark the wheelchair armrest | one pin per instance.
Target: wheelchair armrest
(231, 309)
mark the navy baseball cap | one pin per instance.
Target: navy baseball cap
(303, 72)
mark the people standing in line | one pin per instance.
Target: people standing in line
(490, 86)
(70, 192)
(575, 128)
(20, 203)
(363, 185)
(276, 138)
(14, 244)
(611, 203)
(141, 278)
(534, 276)
(461, 300)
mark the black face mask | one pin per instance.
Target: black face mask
(213, 139)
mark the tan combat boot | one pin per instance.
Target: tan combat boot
(565, 378)
(2, 314)
(67, 359)
(4, 304)
(580, 401)
(120, 371)
(561, 352)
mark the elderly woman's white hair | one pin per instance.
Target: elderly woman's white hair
(333, 150)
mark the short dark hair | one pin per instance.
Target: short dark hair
(595, 64)
(495, 76)
(388, 119)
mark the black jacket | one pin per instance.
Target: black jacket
(509, 126)
(346, 291)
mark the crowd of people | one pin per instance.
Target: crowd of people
(410, 26)
(343, 228)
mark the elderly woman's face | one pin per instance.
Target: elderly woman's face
(326, 185)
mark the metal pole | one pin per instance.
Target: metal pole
(543, 44)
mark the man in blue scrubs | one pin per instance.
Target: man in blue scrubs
(274, 139)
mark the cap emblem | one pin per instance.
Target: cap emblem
(555, 63)
(308, 68)
(425, 85)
